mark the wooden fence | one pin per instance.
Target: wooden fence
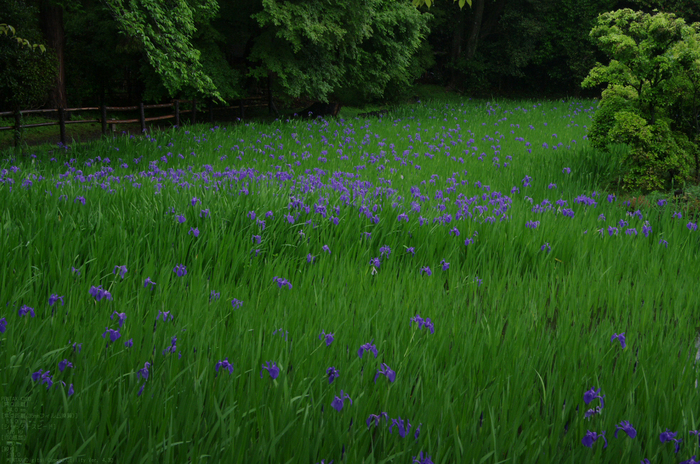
(109, 125)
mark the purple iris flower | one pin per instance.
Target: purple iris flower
(592, 394)
(333, 374)
(63, 364)
(376, 418)
(129, 343)
(591, 438)
(194, 231)
(404, 428)
(326, 249)
(592, 412)
(194, 201)
(144, 372)
(424, 459)
(225, 365)
(256, 238)
(172, 348)
(121, 269)
(98, 293)
(328, 337)
(149, 281)
(671, 436)
(423, 323)
(45, 378)
(368, 347)
(282, 282)
(445, 265)
(26, 309)
(626, 427)
(121, 316)
(3, 325)
(180, 270)
(75, 270)
(54, 298)
(181, 218)
(620, 337)
(273, 370)
(384, 251)
(113, 334)
(411, 250)
(165, 315)
(426, 270)
(385, 370)
(337, 403)
(236, 303)
(375, 262)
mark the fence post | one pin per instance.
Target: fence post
(18, 128)
(177, 113)
(104, 118)
(62, 124)
(194, 111)
(211, 112)
(142, 117)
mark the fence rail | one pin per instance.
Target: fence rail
(109, 125)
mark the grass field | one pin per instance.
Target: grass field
(215, 295)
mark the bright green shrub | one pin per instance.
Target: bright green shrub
(654, 68)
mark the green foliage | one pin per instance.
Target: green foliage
(653, 62)
(10, 31)
(165, 30)
(316, 48)
(658, 157)
(25, 76)
(428, 3)
(615, 99)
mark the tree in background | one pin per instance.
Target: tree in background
(25, 76)
(165, 31)
(323, 49)
(654, 62)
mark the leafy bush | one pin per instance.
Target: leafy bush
(26, 75)
(654, 67)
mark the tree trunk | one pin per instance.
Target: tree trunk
(475, 28)
(456, 48)
(51, 22)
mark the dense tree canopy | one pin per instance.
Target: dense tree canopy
(321, 50)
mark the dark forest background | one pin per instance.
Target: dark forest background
(354, 53)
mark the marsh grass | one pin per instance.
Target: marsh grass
(520, 332)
